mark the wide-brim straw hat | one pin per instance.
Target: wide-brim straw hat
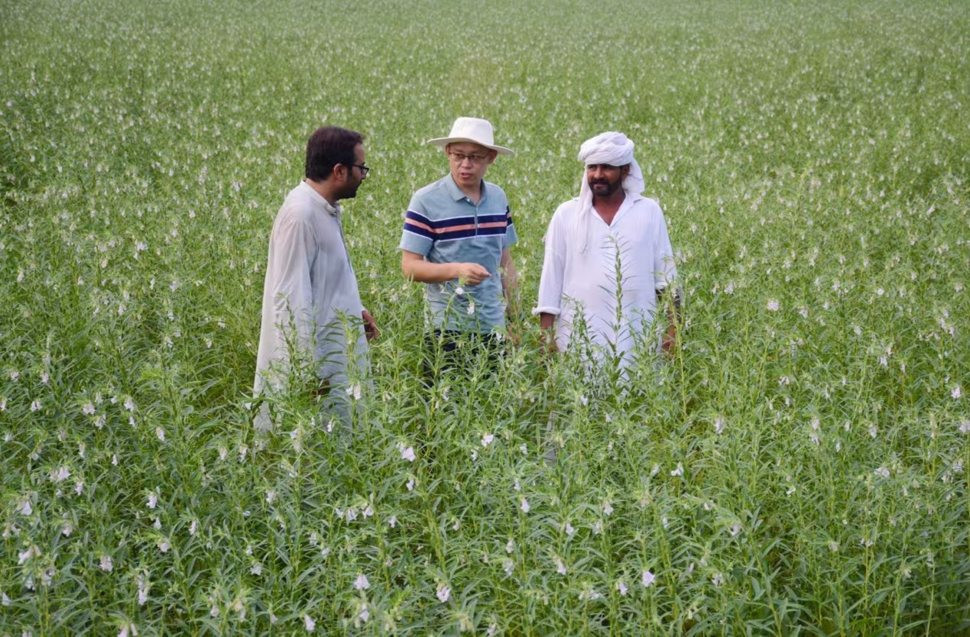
(472, 130)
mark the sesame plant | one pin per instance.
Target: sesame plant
(800, 465)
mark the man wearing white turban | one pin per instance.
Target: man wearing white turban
(608, 259)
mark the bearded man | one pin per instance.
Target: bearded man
(311, 304)
(608, 259)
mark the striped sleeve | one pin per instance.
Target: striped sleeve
(511, 238)
(418, 235)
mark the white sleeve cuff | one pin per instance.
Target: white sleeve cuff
(536, 311)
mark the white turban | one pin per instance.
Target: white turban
(612, 149)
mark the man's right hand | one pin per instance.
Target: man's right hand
(471, 273)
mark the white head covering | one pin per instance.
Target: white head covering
(612, 149)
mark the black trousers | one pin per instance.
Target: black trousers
(447, 350)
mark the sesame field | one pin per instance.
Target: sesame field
(801, 465)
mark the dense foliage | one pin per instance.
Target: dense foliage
(800, 466)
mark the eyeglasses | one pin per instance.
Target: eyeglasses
(363, 169)
(461, 157)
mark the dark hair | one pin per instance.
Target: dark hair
(327, 147)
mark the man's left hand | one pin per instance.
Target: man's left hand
(370, 326)
(668, 344)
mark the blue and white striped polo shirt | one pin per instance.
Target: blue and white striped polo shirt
(443, 225)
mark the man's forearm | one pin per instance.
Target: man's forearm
(427, 272)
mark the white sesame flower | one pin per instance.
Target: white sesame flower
(79, 487)
(589, 594)
(647, 579)
(471, 309)
(719, 425)
(510, 546)
(107, 564)
(31, 552)
(524, 505)
(256, 569)
(956, 392)
(507, 566)
(487, 440)
(361, 583)
(270, 496)
(735, 530)
(160, 433)
(718, 579)
(4, 599)
(444, 593)
(24, 508)
(354, 390)
(679, 471)
(621, 586)
(965, 427)
(364, 614)
(309, 623)
(60, 475)
(143, 587)
(392, 522)
(882, 472)
(193, 527)
(88, 409)
(152, 500)
(164, 545)
(410, 484)
(772, 305)
(569, 529)
(607, 508)
(35, 405)
(407, 453)
(560, 567)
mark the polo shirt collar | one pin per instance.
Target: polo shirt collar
(456, 192)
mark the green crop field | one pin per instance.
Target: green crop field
(801, 466)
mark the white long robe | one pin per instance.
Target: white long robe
(585, 283)
(310, 297)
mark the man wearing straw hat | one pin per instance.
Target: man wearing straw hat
(608, 259)
(456, 239)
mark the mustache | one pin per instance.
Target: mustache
(598, 182)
